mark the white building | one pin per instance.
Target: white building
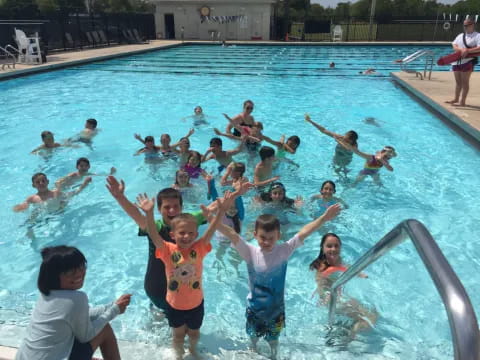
(217, 19)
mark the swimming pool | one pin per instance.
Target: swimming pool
(434, 181)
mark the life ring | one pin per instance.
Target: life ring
(446, 25)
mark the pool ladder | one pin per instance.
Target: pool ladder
(461, 316)
(4, 53)
(429, 57)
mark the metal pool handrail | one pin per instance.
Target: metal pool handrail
(461, 316)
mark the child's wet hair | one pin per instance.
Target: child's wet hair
(46, 134)
(181, 171)
(267, 222)
(267, 196)
(258, 125)
(36, 175)
(185, 140)
(58, 260)
(197, 108)
(83, 159)
(196, 154)
(216, 142)
(352, 137)
(331, 183)
(266, 152)
(165, 136)
(92, 123)
(149, 139)
(390, 150)
(321, 259)
(184, 217)
(239, 167)
(247, 102)
(168, 193)
(295, 139)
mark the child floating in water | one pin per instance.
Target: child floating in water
(374, 163)
(48, 143)
(326, 198)
(199, 118)
(87, 134)
(343, 154)
(326, 265)
(83, 167)
(44, 194)
(267, 266)
(166, 149)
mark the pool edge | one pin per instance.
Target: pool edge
(438, 108)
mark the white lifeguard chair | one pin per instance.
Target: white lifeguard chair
(337, 33)
(28, 47)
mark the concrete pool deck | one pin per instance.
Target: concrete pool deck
(441, 88)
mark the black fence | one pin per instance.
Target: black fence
(62, 32)
(360, 29)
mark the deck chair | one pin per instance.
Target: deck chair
(337, 33)
(28, 47)
(103, 37)
(69, 41)
(137, 37)
(96, 38)
(90, 40)
(128, 36)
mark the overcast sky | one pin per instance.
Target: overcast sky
(333, 3)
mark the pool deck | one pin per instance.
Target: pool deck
(441, 88)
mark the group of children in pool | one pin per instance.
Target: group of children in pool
(174, 276)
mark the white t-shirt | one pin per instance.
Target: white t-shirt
(472, 39)
(266, 276)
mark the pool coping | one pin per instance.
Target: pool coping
(450, 114)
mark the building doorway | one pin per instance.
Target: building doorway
(169, 26)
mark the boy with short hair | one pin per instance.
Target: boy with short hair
(183, 264)
(267, 267)
(40, 182)
(223, 157)
(83, 167)
(48, 142)
(263, 170)
(89, 131)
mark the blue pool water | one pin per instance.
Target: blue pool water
(435, 181)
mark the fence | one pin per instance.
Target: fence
(61, 32)
(354, 29)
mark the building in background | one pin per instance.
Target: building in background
(213, 19)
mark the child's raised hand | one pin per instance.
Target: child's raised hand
(138, 137)
(113, 170)
(226, 202)
(244, 187)
(145, 203)
(192, 130)
(332, 212)
(307, 118)
(299, 201)
(115, 188)
(216, 131)
(207, 212)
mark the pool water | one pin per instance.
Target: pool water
(435, 180)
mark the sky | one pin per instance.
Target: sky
(333, 3)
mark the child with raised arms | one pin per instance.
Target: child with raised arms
(184, 264)
(193, 165)
(267, 267)
(151, 151)
(343, 151)
(374, 162)
(328, 265)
